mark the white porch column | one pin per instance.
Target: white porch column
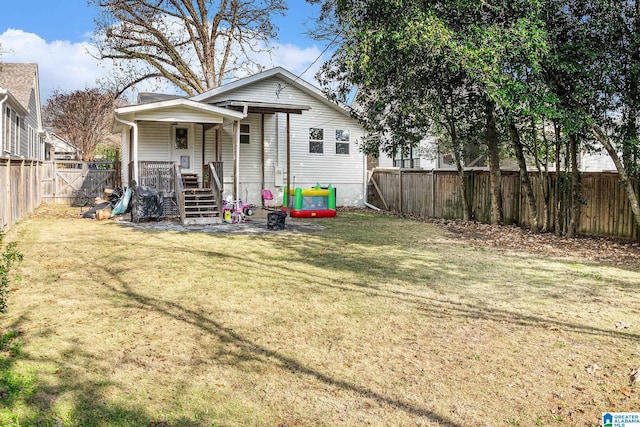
(134, 156)
(236, 159)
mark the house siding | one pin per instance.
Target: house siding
(343, 171)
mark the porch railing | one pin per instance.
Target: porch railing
(158, 175)
(217, 168)
(177, 176)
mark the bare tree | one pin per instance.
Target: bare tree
(82, 117)
(194, 44)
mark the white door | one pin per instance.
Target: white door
(182, 142)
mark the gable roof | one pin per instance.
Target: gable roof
(287, 76)
(20, 79)
(172, 111)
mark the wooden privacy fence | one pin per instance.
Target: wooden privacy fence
(605, 207)
(19, 189)
(77, 183)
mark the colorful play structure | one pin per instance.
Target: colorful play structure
(314, 202)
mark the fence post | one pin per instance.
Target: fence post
(433, 193)
(400, 192)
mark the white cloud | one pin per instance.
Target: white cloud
(62, 65)
(68, 66)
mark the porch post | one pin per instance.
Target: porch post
(134, 155)
(288, 125)
(236, 159)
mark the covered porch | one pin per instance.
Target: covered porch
(176, 147)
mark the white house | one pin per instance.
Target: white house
(21, 134)
(268, 131)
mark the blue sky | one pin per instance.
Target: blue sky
(55, 34)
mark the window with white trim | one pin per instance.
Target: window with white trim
(245, 133)
(16, 136)
(342, 141)
(32, 151)
(316, 140)
(7, 130)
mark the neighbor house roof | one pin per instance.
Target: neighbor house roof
(19, 80)
(149, 97)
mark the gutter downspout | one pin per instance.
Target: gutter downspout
(366, 188)
(6, 95)
(135, 146)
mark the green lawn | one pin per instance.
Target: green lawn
(373, 321)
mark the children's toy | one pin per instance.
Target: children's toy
(234, 212)
(315, 202)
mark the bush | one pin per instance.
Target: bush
(9, 255)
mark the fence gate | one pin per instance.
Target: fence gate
(75, 182)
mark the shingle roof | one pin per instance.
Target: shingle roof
(18, 79)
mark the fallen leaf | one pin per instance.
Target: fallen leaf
(591, 369)
(625, 391)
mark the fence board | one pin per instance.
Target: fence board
(19, 189)
(605, 207)
(74, 182)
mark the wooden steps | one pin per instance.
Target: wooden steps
(190, 180)
(200, 207)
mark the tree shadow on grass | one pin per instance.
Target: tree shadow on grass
(28, 399)
(252, 351)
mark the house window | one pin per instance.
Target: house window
(342, 141)
(316, 140)
(406, 157)
(31, 148)
(7, 130)
(245, 134)
(16, 137)
(181, 136)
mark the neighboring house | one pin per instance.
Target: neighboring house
(427, 156)
(21, 134)
(59, 149)
(265, 131)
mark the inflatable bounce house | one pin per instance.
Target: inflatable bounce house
(315, 202)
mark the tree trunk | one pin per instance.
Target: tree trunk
(624, 179)
(541, 171)
(557, 187)
(458, 155)
(524, 176)
(493, 154)
(574, 212)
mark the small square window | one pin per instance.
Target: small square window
(316, 147)
(316, 134)
(342, 148)
(342, 135)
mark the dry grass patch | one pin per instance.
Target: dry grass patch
(373, 321)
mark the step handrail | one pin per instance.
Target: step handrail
(216, 186)
(177, 174)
